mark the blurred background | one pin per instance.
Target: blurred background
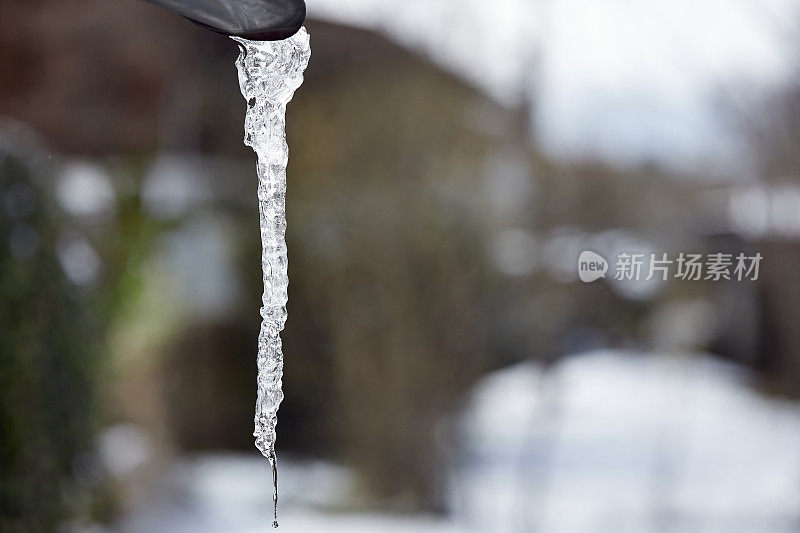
(445, 369)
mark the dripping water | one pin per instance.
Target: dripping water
(273, 462)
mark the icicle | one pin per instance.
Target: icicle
(269, 73)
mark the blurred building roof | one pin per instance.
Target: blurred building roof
(126, 77)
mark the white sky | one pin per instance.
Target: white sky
(628, 79)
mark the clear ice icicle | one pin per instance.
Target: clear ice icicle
(269, 73)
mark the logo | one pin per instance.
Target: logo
(591, 266)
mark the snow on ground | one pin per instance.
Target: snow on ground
(630, 442)
(607, 441)
(227, 493)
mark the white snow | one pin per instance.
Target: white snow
(631, 442)
(605, 441)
